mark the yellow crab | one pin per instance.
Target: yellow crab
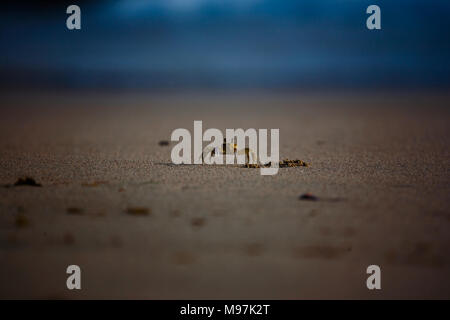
(231, 148)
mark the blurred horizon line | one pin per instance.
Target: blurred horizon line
(229, 45)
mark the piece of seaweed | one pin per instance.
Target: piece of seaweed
(24, 181)
(286, 163)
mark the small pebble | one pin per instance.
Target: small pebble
(74, 210)
(308, 196)
(198, 222)
(27, 181)
(138, 211)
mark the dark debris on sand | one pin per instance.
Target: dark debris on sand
(309, 197)
(24, 181)
(198, 222)
(138, 211)
(286, 163)
(27, 181)
(74, 211)
(22, 221)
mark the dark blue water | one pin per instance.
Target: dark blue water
(227, 44)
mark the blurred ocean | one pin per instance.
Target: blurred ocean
(233, 44)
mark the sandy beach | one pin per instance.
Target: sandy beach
(378, 163)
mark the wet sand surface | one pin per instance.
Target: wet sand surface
(112, 202)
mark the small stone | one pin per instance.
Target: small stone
(308, 196)
(74, 211)
(27, 181)
(198, 222)
(138, 211)
(22, 221)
